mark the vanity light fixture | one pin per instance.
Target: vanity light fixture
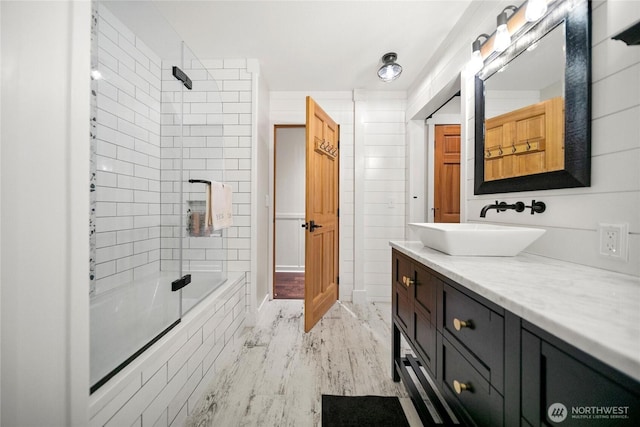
(502, 37)
(477, 62)
(535, 10)
(390, 70)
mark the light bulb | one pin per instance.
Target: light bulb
(535, 10)
(502, 39)
(476, 62)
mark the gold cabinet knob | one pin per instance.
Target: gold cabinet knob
(459, 324)
(460, 387)
(407, 281)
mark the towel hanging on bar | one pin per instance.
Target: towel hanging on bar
(208, 215)
(221, 205)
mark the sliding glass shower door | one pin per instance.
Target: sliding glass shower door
(143, 115)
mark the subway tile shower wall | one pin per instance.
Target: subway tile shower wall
(192, 140)
(216, 147)
(137, 217)
(127, 216)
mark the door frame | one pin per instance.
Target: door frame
(430, 124)
(272, 211)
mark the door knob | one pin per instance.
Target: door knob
(313, 226)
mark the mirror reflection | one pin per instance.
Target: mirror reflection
(524, 111)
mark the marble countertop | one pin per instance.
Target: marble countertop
(597, 311)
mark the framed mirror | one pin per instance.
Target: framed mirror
(533, 107)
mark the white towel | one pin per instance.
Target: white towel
(221, 205)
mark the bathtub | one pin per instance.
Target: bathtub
(127, 320)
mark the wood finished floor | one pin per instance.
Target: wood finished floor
(289, 285)
(280, 373)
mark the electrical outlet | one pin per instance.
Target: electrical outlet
(614, 241)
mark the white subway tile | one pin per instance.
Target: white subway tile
(112, 48)
(130, 262)
(177, 409)
(107, 89)
(110, 194)
(105, 239)
(141, 171)
(146, 246)
(132, 409)
(111, 253)
(161, 402)
(105, 59)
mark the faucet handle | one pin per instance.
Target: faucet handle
(537, 207)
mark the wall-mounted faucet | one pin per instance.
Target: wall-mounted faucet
(536, 207)
(501, 207)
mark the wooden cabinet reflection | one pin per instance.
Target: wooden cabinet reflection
(525, 141)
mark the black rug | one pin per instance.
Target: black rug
(362, 411)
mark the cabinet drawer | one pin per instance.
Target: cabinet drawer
(402, 270)
(481, 401)
(402, 309)
(424, 337)
(478, 328)
(426, 287)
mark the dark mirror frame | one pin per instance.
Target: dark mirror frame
(577, 116)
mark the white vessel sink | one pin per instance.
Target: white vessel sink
(476, 239)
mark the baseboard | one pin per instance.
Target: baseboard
(265, 299)
(359, 296)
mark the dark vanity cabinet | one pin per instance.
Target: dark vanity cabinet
(491, 367)
(561, 384)
(414, 300)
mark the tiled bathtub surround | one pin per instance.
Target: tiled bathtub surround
(127, 148)
(162, 386)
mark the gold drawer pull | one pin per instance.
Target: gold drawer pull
(407, 281)
(460, 387)
(459, 324)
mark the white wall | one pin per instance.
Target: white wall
(572, 215)
(290, 176)
(380, 182)
(45, 201)
(261, 228)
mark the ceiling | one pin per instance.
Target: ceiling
(305, 45)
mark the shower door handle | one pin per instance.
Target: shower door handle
(181, 282)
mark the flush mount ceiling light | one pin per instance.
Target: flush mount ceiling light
(535, 10)
(477, 62)
(390, 70)
(502, 38)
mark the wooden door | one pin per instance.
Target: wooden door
(321, 243)
(447, 174)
